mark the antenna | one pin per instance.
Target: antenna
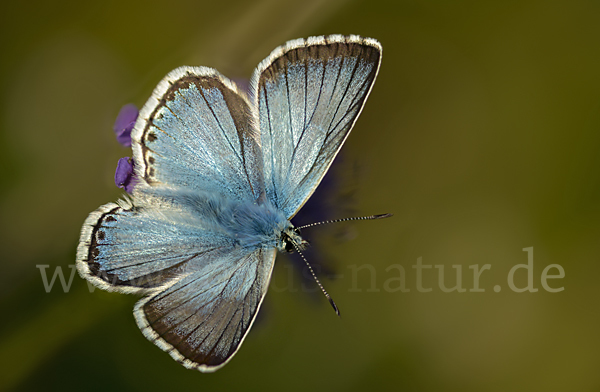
(337, 311)
(370, 217)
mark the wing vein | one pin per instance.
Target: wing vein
(329, 130)
(304, 125)
(210, 315)
(197, 310)
(354, 103)
(287, 87)
(221, 125)
(272, 151)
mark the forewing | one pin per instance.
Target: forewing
(308, 94)
(194, 132)
(129, 248)
(202, 319)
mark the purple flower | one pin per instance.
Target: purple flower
(124, 124)
(124, 177)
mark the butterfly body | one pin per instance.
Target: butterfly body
(245, 224)
(220, 174)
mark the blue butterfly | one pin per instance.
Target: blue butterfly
(220, 174)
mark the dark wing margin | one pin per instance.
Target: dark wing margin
(202, 292)
(195, 132)
(137, 249)
(93, 233)
(202, 320)
(307, 96)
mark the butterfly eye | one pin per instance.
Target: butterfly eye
(289, 247)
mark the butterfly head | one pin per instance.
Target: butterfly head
(291, 241)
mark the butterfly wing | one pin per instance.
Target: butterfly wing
(308, 95)
(203, 292)
(195, 138)
(195, 155)
(195, 132)
(192, 136)
(202, 319)
(127, 248)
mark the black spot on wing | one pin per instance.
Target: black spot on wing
(236, 105)
(98, 240)
(93, 250)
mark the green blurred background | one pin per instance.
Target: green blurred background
(481, 135)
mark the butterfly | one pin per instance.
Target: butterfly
(220, 173)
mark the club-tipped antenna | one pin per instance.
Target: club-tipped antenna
(337, 311)
(370, 217)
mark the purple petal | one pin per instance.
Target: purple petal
(124, 124)
(124, 177)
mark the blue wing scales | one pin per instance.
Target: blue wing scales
(129, 248)
(195, 132)
(307, 95)
(202, 319)
(200, 146)
(203, 290)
